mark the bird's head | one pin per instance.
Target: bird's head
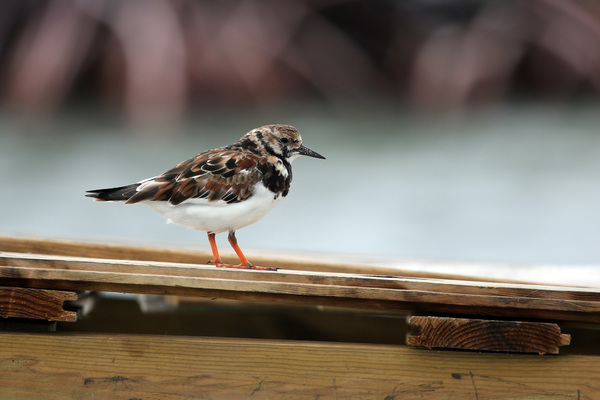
(282, 141)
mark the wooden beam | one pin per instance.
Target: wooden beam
(487, 335)
(30, 303)
(368, 291)
(124, 367)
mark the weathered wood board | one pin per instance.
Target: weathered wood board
(138, 253)
(487, 335)
(43, 304)
(173, 368)
(122, 252)
(304, 287)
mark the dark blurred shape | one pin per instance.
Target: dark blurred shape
(156, 59)
(549, 47)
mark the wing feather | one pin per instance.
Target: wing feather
(221, 174)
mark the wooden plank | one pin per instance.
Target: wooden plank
(487, 335)
(36, 304)
(169, 368)
(419, 295)
(114, 251)
(137, 253)
(35, 262)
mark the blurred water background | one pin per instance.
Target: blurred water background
(453, 130)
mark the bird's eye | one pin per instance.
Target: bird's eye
(284, 140)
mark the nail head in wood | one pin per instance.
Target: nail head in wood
(487, 335)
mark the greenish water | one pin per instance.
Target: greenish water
(518, 183)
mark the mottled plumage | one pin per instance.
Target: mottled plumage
(222, 189)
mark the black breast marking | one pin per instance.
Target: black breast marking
(274, 180)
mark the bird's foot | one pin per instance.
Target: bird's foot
(221, 264)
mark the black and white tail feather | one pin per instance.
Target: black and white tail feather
(121, 193)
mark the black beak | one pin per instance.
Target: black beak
(305, 151)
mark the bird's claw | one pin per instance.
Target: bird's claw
(221, 264)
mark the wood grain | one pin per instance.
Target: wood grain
(487, 335)
(36, 304)
(169, 368)
(367, 291)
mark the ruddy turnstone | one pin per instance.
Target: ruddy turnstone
(224, 189)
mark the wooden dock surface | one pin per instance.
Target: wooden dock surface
(305, 287)
(133, 366)
(65, 272)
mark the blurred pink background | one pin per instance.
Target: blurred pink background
(157, 60)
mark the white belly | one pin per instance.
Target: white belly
(218, 216)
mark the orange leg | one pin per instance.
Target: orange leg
(238, 251)
(233, 241)
(245, 263)
(213, 246)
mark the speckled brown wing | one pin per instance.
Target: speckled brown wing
(220, 174)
